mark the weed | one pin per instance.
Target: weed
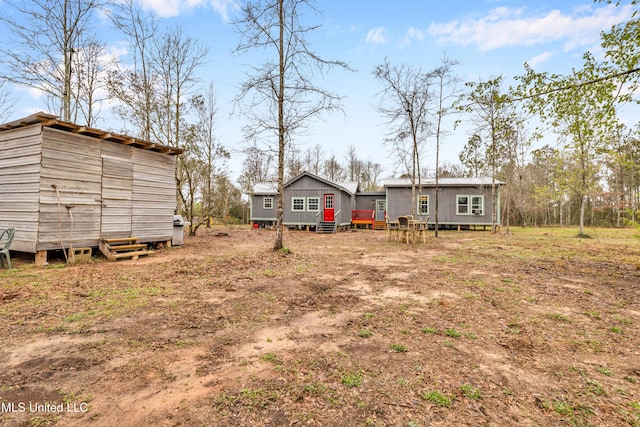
(74, 317)
(593, 314)
(452, 333)
(470, 335)
(352, 379)
(471, 392)
(368, 315)
(434, 396)
(46, 420)
(429, 330)
(269, 357)
(448, 343)
(258, 397)
(631, 379)
(616, 329)
(605, 371)
(365, 333)
(560, 317)
(399, 348)
(596, 388)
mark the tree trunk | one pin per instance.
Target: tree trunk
(281, 134)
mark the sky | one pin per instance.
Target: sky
(488, 37)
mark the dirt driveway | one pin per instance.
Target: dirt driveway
(536, 328)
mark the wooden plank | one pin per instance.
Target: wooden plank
(117, 248)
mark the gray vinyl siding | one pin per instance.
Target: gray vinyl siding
(258, 212)
(307, 187)
(399, 203)
(20, 157)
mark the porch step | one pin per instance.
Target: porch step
(326, 227)
(379, 225)
(123, 247)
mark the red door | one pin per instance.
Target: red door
(328, 208)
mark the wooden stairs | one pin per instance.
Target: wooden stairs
(325, 227)
(379, 225)
(123, 247)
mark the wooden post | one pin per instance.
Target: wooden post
(41, 258)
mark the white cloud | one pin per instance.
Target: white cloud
(377, 35)
(411, 35)
(538, 59)
(171, 8)
(505, 27)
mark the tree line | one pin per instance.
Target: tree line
(588, 175)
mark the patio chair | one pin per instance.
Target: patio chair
(6, 237)
(403, 227)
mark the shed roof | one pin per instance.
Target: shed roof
(265, 188)
(443, 182)
(51, 121)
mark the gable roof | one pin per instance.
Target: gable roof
(265, 188)
(51, 121)
(443, 182)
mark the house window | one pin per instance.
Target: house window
(423, 205)
(313, 204)
(267, 203)
(470, 205)
(477, 205)
(297, 204)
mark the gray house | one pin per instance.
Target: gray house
(65, 185)
(463, 202)
(309, 202)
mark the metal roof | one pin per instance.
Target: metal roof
(51, 121)
(443, 182)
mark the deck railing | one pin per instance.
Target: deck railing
(363, 216)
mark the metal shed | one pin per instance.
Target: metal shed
(63, 184)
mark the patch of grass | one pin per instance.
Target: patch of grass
(41, 421)
(605, 371)
(365, 333)
(352, 379)
(269, 357)
(616, 329)
(258, 397)
(74, 317)
(429, 330)
(560, 317)
(452, 333)
(435, 397)
(471, 392)
(399, 348)
(368, 315)
(593, 314)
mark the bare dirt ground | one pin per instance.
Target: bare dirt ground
(538, 328)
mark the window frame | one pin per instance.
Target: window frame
(419, 198)
(264, 202)
(317, 202)
(298, 199)
(470, 204)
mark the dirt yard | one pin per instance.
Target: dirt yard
(537, 328)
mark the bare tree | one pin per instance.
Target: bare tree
(6, 101)
(314, 158)
(212, 152)
(404, 101)
(91, 64)
(280, 94)
(132, 83)
(333, 170)
(446, 95)
(46, 36)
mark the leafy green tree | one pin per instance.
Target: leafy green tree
(581, 110)
(493, 115)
